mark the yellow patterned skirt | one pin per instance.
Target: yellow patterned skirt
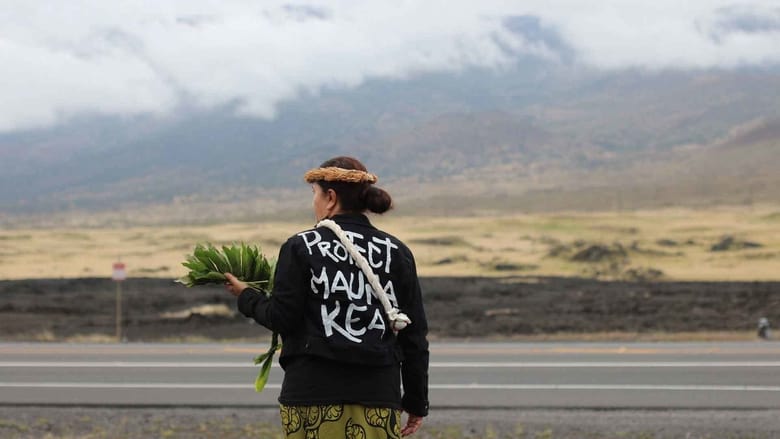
(347, 421)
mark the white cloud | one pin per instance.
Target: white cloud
(665, 34)
(123, 57)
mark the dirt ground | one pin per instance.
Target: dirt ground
(160, 310)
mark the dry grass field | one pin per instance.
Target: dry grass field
(733, 243)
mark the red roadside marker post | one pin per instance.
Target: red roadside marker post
(118, 275)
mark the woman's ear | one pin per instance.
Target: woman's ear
(333, 200)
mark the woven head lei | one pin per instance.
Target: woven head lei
(339, 174)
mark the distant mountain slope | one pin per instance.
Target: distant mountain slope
(537, 133)
(743, 167)
(740, 168)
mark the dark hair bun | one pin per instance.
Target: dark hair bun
(377, 200)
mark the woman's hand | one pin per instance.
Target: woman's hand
(412, 425)
(234, 286)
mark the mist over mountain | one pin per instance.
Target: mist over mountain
(543, 134)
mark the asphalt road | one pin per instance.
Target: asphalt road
(462, 375)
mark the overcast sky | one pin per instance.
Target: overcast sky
(75, 57)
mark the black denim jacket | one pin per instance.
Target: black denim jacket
(323, 308)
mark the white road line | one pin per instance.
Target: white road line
(127, 364)
(228, 386)
(606, 364)
(680, 387)
(134, 386)
(442, 365)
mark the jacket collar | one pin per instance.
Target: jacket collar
(352, 218)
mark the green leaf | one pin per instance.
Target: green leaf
(254, 256)
(262, 376)
(247, 260)
(219, 259)
(212, 276)
(195, 265)
(262, 269)
(271, 272)
(267, 359)
(185, 280)
(204, 255)
(233, 257)
(260, 358)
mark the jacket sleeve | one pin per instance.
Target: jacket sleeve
(283, 310)
(414, 345)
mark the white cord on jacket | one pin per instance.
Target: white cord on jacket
(398, 320)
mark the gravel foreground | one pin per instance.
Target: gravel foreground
(90, 422)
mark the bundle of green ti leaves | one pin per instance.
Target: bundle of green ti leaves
(208, 265)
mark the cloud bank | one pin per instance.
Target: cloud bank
(61, 59)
